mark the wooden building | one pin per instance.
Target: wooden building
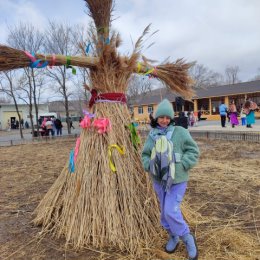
(206, 100)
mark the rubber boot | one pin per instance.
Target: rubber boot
(172, 244)
(191, 246)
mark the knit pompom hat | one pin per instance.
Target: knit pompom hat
(164, 109)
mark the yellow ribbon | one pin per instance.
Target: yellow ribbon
(139, 67)
(119, 149)
(148, 71)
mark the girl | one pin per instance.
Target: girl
(168, 154)
(233, 114)
(250, 107)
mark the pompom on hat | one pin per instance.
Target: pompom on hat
(164, 109)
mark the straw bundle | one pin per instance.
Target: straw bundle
(97, 207)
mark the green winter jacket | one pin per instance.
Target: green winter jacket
(185, 149)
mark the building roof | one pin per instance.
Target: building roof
(74, 105)
(226, 90)
(155, 96)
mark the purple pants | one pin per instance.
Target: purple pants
(170, 201)
(233, 119)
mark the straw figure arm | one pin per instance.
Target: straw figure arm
(174, 75)
(11, 58)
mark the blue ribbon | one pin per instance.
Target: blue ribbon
(107, 41)
(88, 47)
(38, 65)
(71, 162)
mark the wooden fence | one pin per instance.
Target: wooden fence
(234, 136)
(35, 140)
(217, 135)
(210, 135)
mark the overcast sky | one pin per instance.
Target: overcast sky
(215, 33)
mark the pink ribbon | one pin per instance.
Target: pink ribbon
(103, 125)
(34, 60)
(53, 61)
(85, 123)
(76, 149)
(30, 56)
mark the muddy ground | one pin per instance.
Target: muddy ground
(223, 199)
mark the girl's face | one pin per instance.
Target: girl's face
(163, 121)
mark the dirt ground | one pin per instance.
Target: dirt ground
(223, 201)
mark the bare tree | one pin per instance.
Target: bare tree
(232, 75)
(8, 86)
(27, 37)
(59, 39)
(81, 94)
(138, 85)
(5, 99)
(25, 92)
(204, 77)
(81, 37)
(257, 76)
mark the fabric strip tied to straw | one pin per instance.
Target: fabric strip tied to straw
(119, 149)
(134, 135)
(106, 97)
(71, 162)
(76, 149)
(103, 125)
(68, 65)
(34, 62)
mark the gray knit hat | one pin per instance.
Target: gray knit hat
(164, 109)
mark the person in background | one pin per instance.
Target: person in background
(71, 123)
(223, 113)
(196, 120)
(182, 120)
(49, 127)
(192, 119)
(243, 116)
(170, 174)
(53, 119)
(233, 114)
(26, 124)
(199, 115)
(250, 107)
(43, 126)
(58, 126)
(151, 117)
(40, 121)
(21, 123)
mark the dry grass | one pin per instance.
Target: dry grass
(221, 204)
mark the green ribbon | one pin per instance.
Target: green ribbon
(134, 136)
(68, 65)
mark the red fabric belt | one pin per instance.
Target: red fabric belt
(106, 96)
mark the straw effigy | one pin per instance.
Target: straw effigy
(107, 200)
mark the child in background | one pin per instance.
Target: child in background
(243, 116)
(168, 154)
